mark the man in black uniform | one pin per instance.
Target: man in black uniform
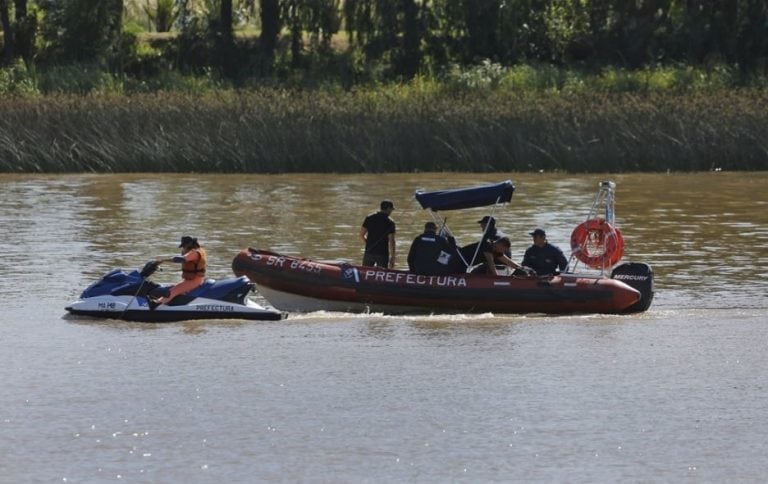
(378, 234)
(490, 233)
(430, 254)
(496, 256)
(543, 257)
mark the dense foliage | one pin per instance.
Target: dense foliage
(383, 85)
(358, 41)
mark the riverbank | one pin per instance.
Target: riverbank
(397, 128)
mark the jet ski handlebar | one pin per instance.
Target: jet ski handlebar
(149, 269)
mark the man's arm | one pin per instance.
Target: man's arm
(177, 258)
(391, 239)
(490, 263)
(508, 262)
(527, 258)
(527, 263)
(411, 255)
(364, 234)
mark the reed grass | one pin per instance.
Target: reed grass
(421, 126)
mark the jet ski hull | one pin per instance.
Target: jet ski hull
(126, 296)
(137, 309)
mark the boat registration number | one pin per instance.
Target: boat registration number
(296, 265)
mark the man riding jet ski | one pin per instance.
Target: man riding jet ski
(128, 296)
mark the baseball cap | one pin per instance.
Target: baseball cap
(187, 240)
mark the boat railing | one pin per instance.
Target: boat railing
(604, 200)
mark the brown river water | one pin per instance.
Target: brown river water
(674, 394)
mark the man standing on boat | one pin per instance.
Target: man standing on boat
(378, 234)
(543, 257)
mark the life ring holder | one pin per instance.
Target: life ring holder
(597, 243)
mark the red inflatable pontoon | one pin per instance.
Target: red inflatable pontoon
(295, 284)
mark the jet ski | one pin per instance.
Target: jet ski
(130, 296)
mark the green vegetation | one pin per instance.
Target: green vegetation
(419, 127)
(381, 85)
(348, 43)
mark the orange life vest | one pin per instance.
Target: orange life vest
(196, 268)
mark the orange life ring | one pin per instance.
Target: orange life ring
(597, 243)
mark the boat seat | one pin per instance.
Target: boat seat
(216, 289)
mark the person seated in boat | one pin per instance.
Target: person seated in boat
(495, 256)
(543, 257)
(490, 233)
(431, 254)
(378, 235)
(193, 262)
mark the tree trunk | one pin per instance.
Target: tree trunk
(116, 32)
(24, 31)
(296, 43)
(21, 9)
(5, 21)
(270, 26)
(411, 60)
(482, 19)
(225, 18)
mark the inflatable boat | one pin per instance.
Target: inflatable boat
(303, 285)
(292, 283)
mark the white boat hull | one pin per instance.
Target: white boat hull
(136, 309)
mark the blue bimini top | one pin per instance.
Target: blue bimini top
(461, 198)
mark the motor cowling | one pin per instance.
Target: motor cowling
(639, 276)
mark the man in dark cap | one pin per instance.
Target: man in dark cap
(495, 257)
(490, 232)
(471, 253)
(193, 262)
(378, 234)
(430, 254)
(543, 257)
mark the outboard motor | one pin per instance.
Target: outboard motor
(639, 276)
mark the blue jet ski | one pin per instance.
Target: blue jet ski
(130, 296)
